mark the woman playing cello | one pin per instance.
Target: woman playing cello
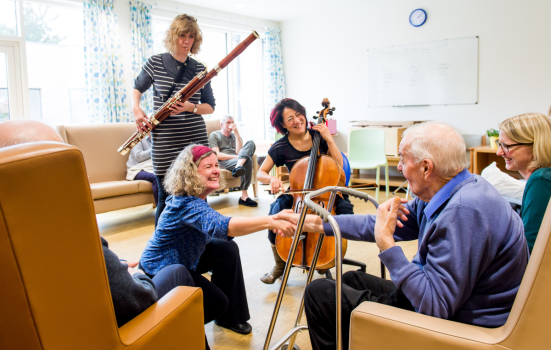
(289, 118)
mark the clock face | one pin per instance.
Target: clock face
(418, 17)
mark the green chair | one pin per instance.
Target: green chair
(366, 150)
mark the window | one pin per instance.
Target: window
(36, 108)
(248, 93)
(4, 99)
(238, 89)
(55, 62)
(8, 18)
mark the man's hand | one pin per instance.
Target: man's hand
(282, 227)
(387, 220)
(233, 128)
(287, 215)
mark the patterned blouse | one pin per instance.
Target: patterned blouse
(185, 227)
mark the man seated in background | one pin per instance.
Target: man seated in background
(132, 291)
(471, 256)
(234, 156)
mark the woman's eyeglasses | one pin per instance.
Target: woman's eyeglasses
(506, 148)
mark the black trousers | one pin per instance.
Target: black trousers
(320, 308)
(225, 298)
(285, 201)
(171, 277)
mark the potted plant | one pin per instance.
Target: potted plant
(493, 135)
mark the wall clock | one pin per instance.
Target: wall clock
(418, 17)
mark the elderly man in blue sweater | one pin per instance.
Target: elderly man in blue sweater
(472, 252)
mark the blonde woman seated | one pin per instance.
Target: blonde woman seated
(191, 233)
(525, 144)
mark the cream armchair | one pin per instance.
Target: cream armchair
(383, 327)
(55, 292)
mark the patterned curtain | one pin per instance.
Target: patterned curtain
(106, 95)
(142, 45)
(274, 83)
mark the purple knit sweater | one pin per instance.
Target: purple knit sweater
(472, 252)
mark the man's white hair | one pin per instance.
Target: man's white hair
(224, 118)
(439, 143)
(14, 132)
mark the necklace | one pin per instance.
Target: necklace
(178, 63)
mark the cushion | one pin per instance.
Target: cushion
(506, 185)
(114, 188)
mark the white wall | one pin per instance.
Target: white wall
(325, 55)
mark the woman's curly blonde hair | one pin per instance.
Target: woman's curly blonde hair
(182, 178)
(183, 24)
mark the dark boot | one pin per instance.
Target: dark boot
(277, 271)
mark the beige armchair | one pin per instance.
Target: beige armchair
(383, 327)
(55, 292)
(214, 125)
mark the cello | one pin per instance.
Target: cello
(314, 171)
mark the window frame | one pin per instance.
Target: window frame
(18, 44)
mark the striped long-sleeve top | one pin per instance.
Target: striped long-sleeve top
(177, 131)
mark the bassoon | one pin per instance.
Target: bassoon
(186, 93)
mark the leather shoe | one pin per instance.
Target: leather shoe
(248, 203)
(239, 171)
(241, 328)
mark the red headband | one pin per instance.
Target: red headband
(199, 151)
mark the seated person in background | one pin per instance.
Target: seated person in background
(472, 252)
(131, 290)
(234, 156)
(191, 233)
(289, 118)
(525, 144)
(140, 167)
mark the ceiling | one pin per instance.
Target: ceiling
(274, 10)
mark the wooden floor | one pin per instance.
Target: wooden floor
(128, 231)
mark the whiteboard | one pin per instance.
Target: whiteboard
(434, 73)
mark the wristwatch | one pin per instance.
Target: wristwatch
(195, 109)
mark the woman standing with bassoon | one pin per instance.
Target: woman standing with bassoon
(168, 73)
(289, 118)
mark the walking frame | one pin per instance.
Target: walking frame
(327, 218)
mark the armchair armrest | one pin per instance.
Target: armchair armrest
(172, 322)
(387, 327)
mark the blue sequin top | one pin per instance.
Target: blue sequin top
(184, 228)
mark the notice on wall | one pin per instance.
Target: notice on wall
(433, 73)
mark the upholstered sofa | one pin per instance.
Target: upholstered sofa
(106, 168)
